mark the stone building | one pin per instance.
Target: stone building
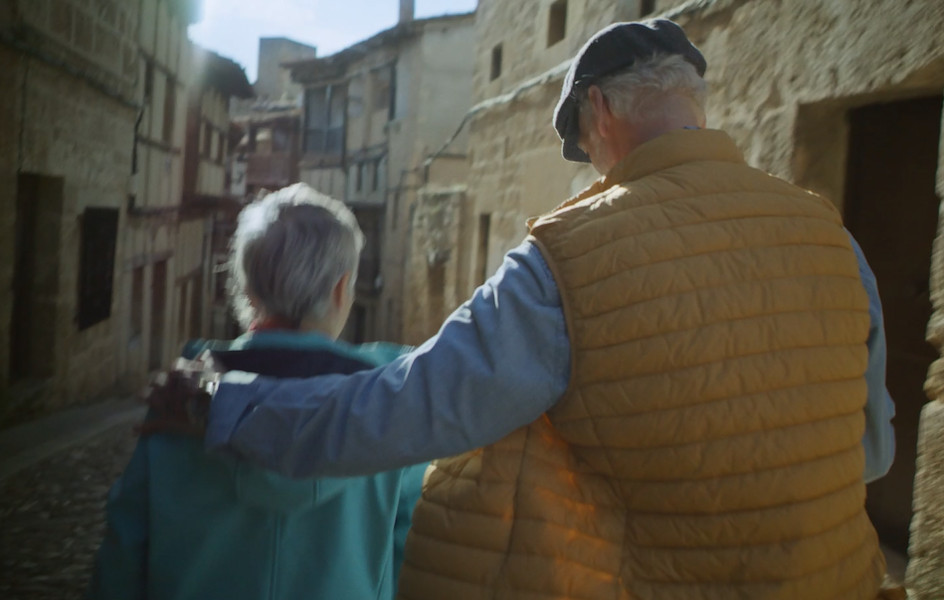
(207, 203)
(273, 81)
(162, 249)
(843, 98)
(103, 266)
(373, 113)
(267, 153)
(267, 129)
(69, 102)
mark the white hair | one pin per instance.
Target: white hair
(638, 94)
(289, 251)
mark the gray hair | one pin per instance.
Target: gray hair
(289, 251)
(637, 94)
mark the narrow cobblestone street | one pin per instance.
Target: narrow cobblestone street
(53, 517)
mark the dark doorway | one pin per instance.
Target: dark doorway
(35, 276)
(892, 210)
(158, 304)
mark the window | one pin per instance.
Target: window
(557, 22)
(384, 90)
(148, 78)
(496, 62)
(646, 7)
(355, 98)
(170, 105)
(324, 120)
(96, 264)
(481, 257)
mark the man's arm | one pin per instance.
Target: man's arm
(498, 362)
(879, 438)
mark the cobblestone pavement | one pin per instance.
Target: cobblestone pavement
(52, 517)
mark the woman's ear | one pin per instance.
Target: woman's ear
(341, 294)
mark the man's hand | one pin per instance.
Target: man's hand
(179, 400)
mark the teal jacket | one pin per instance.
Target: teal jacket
(184, 524)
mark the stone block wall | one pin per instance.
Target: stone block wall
(436, 226)
(925, 576)
(86, 142)
(521, 29)
(95, 39)
(71, 85)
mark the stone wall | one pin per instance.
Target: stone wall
(74, 77)
(434, 265)
(521, 29)
(86, 142)
(926, 548)
(67, 104)
(820, 58)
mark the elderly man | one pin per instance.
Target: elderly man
(674, 388)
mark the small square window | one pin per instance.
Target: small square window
(99, 233)
(496, 62)
(557, 22)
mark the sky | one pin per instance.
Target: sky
(232, 28)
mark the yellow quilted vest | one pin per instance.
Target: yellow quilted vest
(709, 444)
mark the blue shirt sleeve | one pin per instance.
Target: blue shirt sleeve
(879, 437)
(499, 361)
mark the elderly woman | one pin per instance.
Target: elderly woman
(185, 524)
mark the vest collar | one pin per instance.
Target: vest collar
(668, 150)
